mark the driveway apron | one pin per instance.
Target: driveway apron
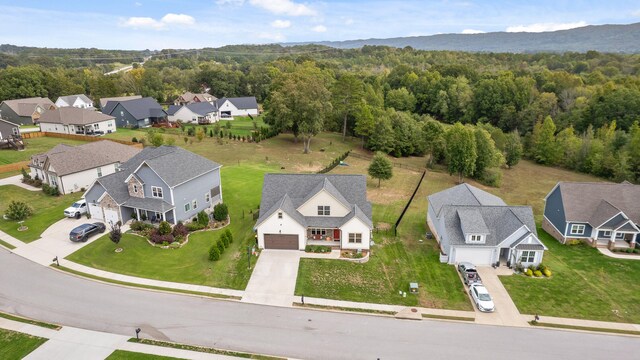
(506, 311)
(273, 281)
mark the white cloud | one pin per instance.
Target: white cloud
(284, 7)
(151, 23)
(541, 27)
(230, 2)
(271, 36)
(348, 21)
(137, 3)
(472, 31)
(636, 13)
(319, 28)
(281, 24)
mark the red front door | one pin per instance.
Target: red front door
(336, 234)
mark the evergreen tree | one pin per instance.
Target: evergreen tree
(380, 168)
(513, 149)
(460, 151)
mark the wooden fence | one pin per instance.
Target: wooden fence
(32, 135)
(14, 166)
(78, 137)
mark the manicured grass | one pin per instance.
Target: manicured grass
(7, 174)
(29, 321)
(585, 328)
(34, 146)
(15, 345)
(7, 245)
(446, 317)
(204, 349)
(241, 191)
(585, 285)
(341, 308)
(46, 210)
(130, 355)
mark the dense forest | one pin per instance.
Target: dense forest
(577, 110)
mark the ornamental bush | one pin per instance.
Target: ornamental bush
(164, 228)
(194, 226)
(229, 236)
(528, 272)
(537, 273)
(203, 219)
(224, 239)
(214, 253)
(546, 272)
(18, 210)
(220, 212)
(157, 238)
(180, 230)
(220, 246)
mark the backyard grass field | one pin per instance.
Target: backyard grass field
(130, 355)
(46, 210)
(15, 345)
(34, 146)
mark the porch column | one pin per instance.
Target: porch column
(632, 243)
(138, 214)
(612, 240)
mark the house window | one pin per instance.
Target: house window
(324, 210)
(318, 232)
(135, 188)
(355, 238)
(527, 256)
(109, 124)
(15, 131)
(194, 204)
(187, 207)
(606, 233)
(99, 172)
(279, 214)
(156, 191)
(475, 238)
(619, 235)
(96, 126)
(207, 197)
(577, 229)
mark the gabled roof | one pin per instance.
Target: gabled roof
(71, 99)
(104, 101)
(173, 109)
(9, 122)
(583, 201)
(26, 107)
(73, 116)
(248, 102)
(202, 108)
(463, 194)
(138, 108)
(67, 159)
(471, 221)
(289, 191)
(191, 97)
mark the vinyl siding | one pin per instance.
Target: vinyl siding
(195, 189)
(554, 209)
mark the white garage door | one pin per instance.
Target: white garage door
(96, 212)
(110, 216)
(474, 256)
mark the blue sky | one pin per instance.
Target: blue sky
(146, 24)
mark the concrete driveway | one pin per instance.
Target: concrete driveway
(506, 311)
(17, 181)
(273, 281)
(55, 242)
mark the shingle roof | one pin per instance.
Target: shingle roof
(70, 99)
(582, 200)
(71, 159)
(73, 116)
(138, 108)
(530, 247)
(289, 191)
(104, 101)
(463, 194)
(9, 122)
(150, 204)
(202, 108)
(173, 109)
(471, 221)
(27, 106)
(248, 102)
(203, 97)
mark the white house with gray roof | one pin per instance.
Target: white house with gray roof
(297, 210)
(603, 214)
(163, 183)
(72, 120)
(475, 226)
(237, 106)
(80, 101)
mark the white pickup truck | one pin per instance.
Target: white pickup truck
(77, 209)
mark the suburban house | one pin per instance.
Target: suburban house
(73, 120)
(135, 113)
(75, 168)
(475, 226)
(24, 111)
(163, 183)
(314, 209)
(239, 106)
(198, 112)
(104, 101)
(602, 214)
(78, 101)
(10, 135)
(190, 98)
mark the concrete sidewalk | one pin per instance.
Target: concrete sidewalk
(607, 252)
(583, 323)
(17, 181)
(10, 239)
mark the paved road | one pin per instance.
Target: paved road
(34, 291)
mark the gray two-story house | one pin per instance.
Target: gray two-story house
(135, 113)
(163, 183)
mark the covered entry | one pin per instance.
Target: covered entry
(281, 241)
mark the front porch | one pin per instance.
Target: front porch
(616, 239)
(324, 236)
(147, 209)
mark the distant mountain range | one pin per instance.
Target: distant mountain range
(603, 38)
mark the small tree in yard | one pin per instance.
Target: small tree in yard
(214, 253)
(220, 212)
(380, 168)
(25, 175)
(18, 210)
(224, 239)
(229, 235)
(164, 228)
(220, 246)
(203, 218)
(116, 234)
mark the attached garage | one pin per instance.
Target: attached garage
(96, 212)
(281, 241)
(475, 256)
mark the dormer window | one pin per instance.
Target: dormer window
(135, 188)
(324, 210)
(476, 238)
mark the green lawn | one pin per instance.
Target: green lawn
(47, 210)
(15, 345)
(241, 191)
(585, 285)
(129, 355)
(34, 146)
(9, 174)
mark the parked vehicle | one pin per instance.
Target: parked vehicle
(481, 298)
(469, 273)
(78, 208)
(85, 231)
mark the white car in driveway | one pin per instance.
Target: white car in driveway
(76, 210)
(481, 298)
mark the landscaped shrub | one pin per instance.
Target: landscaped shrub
(157, 238)
(139, 225)
(229, 235)
(143, 216)
(25, 175)
(164, 228)
(317, 248)
(528, 272)
(491, 177)
(191, 131)
(546, 272)
(629, 251)
(203, 219)
(50, 190)
(214, 253)
(537, 273)
(194, 226)
(358, 255)
(180, 230)
(134, 139)
(18, 210)
(224, 239)
(220, 212)
(220, 246)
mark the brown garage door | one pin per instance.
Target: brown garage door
(280, 241)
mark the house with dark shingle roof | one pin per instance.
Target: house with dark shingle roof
(135, 113)
(104, 101)
(602, 214)
(199, 113)
(297, 210)
(24, 111)
(81, 101)
(72, 120)
(238, 106)
(163, 183)
(73, 168)
(472, 225)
